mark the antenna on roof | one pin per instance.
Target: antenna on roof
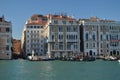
(61, 13)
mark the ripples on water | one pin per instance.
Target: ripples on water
(59, 70)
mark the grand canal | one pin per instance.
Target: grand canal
(59, 70)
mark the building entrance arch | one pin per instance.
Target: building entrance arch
(114, 52)
(90, 53)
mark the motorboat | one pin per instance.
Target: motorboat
(119, 60)
(112, 58)
(32, 57)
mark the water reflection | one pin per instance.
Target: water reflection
(47, 71)
(59, 70)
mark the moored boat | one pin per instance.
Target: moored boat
(32, 57)
(89, 58)
(110, 58)
(119, 60)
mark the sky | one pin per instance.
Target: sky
(19, 11)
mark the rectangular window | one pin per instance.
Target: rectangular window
(71, 22)
(101, 37)
(52, 28)
(93, 36)
(86, 36)
(27, 41)
(52, 46)
(60, 37)
(93, 45)
(64, 22)
(60, 29)
(68, 29)
(87, 45)
(38, 26)
(68, 46)
(41, 41)
(7, 29)
(52, 37)
(8, 40)
(76, 37)
(27, 36)
(27, 50)
(38, 41)
(41, 26)
(34, 26)
(75, 46)
(61, 46)
(7, 47)
(107, 45)
(101, 45)
(75, 29)
(107, 37)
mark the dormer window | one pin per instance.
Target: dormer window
(64, 22)
(71, 22)
(55, 21)
(34, 19)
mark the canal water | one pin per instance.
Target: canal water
(59, 70)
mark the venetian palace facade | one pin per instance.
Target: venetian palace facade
(64, 36)
(100, 37)
(54, 35)
(5, 39)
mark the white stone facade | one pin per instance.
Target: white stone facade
(114, 31)
(32, 36)
(101, 37)
(63, 36)
(34, 39)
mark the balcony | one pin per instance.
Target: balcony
(48, 41)
(71, 40)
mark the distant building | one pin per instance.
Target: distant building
(100, 37)
(114, 36)
(63, 36)
(5, 38)
(32, 35)
(16, 47)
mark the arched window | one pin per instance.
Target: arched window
(52, 37)
(110, 37)
(107, 37)
(93, 36)
(73, 37)
(101, 37)
(90, 53)
(111, 53)
(118, 53)
(86, 36)
(67, 36)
